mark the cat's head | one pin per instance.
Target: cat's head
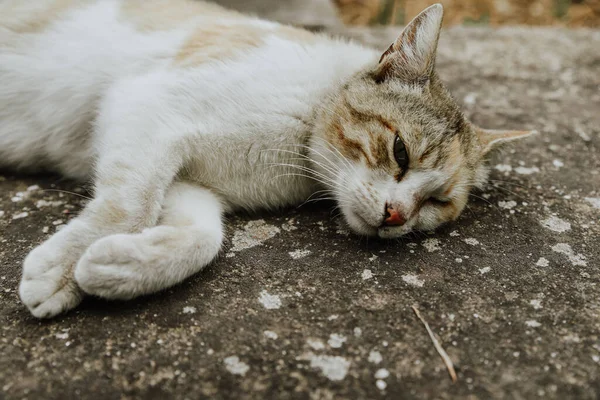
(394, 147)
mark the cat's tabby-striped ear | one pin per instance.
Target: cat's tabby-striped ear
(411, 57)
(490, 139)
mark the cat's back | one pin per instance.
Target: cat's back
(59, 57)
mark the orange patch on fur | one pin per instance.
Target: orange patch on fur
(157, 15)
(20, 16)
(295, 35)
(218, 42)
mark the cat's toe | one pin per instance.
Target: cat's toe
(47, 287)
(109, 267)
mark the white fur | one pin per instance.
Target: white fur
(91, 96)
(124, 266)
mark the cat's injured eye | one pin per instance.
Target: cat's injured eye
(400, 155)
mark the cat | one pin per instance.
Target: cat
(182, 111)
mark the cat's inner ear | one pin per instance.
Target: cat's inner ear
(411, 57)
(489, 139)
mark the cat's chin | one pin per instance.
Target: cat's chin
(358, 224)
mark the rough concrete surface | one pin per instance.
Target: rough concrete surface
(298, 308)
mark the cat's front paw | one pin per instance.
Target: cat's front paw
(111, 267)
(48, 287)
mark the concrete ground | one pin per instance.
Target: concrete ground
(298, 308)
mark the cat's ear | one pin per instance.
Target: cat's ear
(490, 139)
(411, 57)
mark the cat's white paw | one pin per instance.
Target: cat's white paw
(112, 266)
(48, 287)
(125, 266)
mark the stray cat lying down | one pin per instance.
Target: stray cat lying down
(181, 111)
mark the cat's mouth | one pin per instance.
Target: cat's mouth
(363, 225)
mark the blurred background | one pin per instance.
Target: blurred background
(493, 12)
(571, 13)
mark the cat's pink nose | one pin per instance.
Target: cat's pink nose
(393, 217)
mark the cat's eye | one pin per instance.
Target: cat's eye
(439, 201)
(400, 154)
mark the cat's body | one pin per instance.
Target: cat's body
(55, 82)
(181, 111)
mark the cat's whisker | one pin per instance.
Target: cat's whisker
(304, 157)
(335, 172)
(509, 192)
(307, 169)
(344, 118)
(67, 192)
(319, 198)
(484, 199)
(327, 146)
(303, 176)
(343, 160)
(509, 182)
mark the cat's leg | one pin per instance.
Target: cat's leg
(188, 238)
(139, 153)
(128, 198)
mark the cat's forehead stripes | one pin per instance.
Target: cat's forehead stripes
(374, 149)
(358, 116)
(350, 148)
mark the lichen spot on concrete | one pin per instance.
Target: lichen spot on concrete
(235, 366)
(507, 205)
(575, 259)
(542, 262)
(297, 254)
(484, 270)
(413, 280)
(316, 344)
(269, 301)
(253, 234)
(366, 274)
(536, 304)
(189, 310)
(503, 168)
(382, 373)
(472, 241)
(526, 171)
(381, 385)
(336, 340)
(432, 245)
(532, 323)
(556, 224)
(270, 335)
(334, 368)
(375, 357)
(594, 201)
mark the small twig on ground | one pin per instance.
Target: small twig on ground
(438, 347)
